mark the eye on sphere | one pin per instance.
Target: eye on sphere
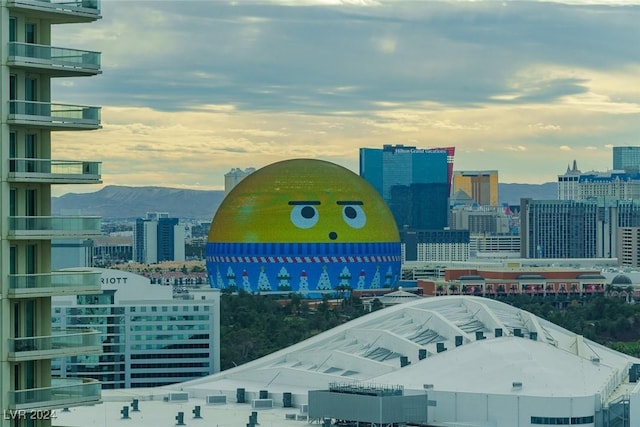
(354, 216)
(304, 216)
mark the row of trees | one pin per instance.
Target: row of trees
(254, 325)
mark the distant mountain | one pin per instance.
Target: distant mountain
(511, 193)
(114, 201)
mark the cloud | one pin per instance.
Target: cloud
(199, 87)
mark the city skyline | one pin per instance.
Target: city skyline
(521, 87)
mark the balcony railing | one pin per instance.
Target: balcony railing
(54, 171)
(59, 60)
(54, 283)
(62, 342)
(60, 11)
(64, 392)
(53, 116)
(51, 227)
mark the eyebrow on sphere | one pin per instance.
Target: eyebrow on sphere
(304, 202)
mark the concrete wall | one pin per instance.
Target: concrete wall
(506, 410)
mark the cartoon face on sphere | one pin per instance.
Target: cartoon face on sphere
(303, 200)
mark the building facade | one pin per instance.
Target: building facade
(414, 182)
(629, 246)
(158, 238)
(558, 229)
(481, 220)
(234, 176)
(627, 159)
(575, 229)
(482, 186)
(435, 245)
(148, 338)
(610, 185)
(29, 120)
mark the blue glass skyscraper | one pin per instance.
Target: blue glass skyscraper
(626, 158)
(415, 182)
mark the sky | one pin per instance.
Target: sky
(191, 89)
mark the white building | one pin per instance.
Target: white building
(148, 337)
(234, 176)
(444, 361)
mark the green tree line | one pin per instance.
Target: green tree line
(254, 325)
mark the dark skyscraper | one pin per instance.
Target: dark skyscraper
(415, 183)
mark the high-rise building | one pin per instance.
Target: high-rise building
(481, 186)
(415, 182)
(627, 159)
(28, 121)
(629, 246)
(234, 176)
(574, 229)
(558, 228)
(158, 238)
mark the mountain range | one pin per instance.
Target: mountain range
(122, 202)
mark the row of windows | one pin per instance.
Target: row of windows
(168, 337)
(171, 327)
(169, 318)
(167, 347)
(164, 309)
(562, 420)
(149, 356)
(165, 375)
(169, 365)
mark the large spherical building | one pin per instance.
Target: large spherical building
(304, 226)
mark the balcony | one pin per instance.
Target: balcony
(54, 171)
(59, 11)
(53, 227)
(53, 116)
(63, 393)
(55, 283)
(54, 61)
(62, 343)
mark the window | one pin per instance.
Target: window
(12, 202)
(12, 28)
(13, 138)
(30, 33)
(30, 202)
(31, 267)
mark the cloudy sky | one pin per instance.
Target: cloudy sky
(191, 89)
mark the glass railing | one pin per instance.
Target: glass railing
(60, 280)
(58, 340)
(55, 56)
(49, 113)
(54, 225)
(63, 168)
(63, 391)
(66, 6)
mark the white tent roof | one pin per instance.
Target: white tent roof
(542, 357)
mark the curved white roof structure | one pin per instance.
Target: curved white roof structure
(545, 358)
(459, 360)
